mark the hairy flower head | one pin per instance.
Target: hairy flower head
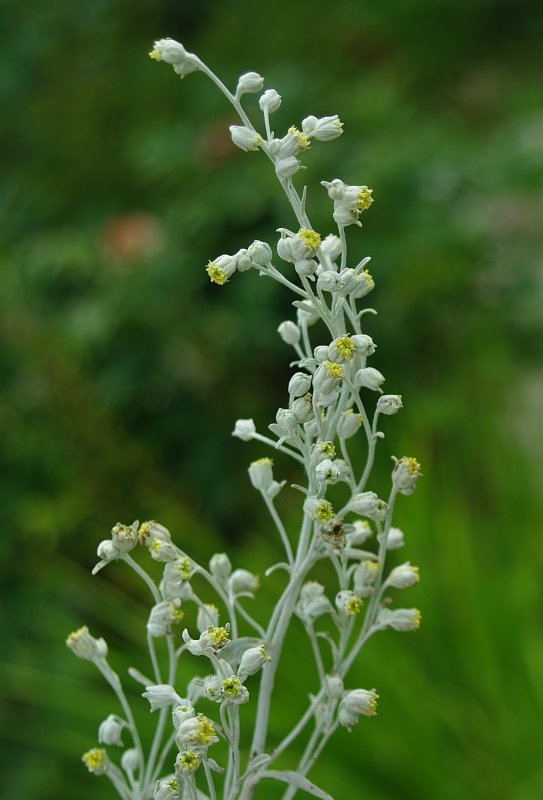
(96, 760)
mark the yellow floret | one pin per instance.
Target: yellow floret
(334, 370)
(324, 511)
(345, 347)
(364, 198)
(353, 606)
(310, 238)
(216, 274)
(303, 140)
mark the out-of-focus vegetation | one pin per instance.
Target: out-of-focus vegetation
(122, 370)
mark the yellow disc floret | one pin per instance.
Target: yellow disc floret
(411, 464)
(345, 347)
(324, 511)
(303, 140)
(205, 731)
(353, 606)
(188, 761)
(310, 238)
(218, 636)
(95, 760)
(231, 686)
(155, 55)
(364, 198)
(334, 370)
(185, 569)
(216, 274)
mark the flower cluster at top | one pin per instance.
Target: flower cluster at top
(329, 426)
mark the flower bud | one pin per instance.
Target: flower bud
(389, 404)
(369, 505)
(404, 576)
(213, 688)
(172, 52)
(130, 760)
(313, 603)
(321, 353)
(249, 82)
(349, 424)
(106, 552)
(243, 260)
(328, 281)
(400, 619)
(327, 472)
(220, 567)
(260, 253)
(96, 761)
(85, 646)
(395, 539)
(331, 247)
(361, 530)
(245, 138)
(355, 704)
(261, 473)
(364, 577)
(302, 408)
(363, 344)
(208, 615)
(285, 248)
(299, 384)
(243, 582)
(270, 101)
(166, 789)
(110, 730)
(306, 267)
(184, 710)
(349, 603)
(163, 615)
(244, 429)
(306, 317)
(289, 332)
(334, 686)
(369, 378)
(286, 424)
(251, 661)
(324, 129)
(405, 474)
(286, 167)
(125, 537)
(161, 695)
(163, 551)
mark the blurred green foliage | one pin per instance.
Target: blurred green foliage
(122, 370)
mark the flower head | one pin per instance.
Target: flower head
(96, 761)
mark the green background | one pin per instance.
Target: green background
(122, 370)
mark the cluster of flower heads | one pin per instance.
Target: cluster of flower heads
(323, 425)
